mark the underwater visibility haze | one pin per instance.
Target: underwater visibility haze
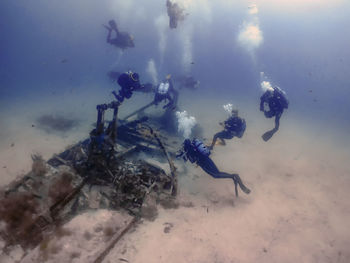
(58, 62)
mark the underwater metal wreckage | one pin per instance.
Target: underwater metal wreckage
(91, 174)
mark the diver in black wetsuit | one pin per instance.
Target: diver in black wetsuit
(272, 103)
(166, 92)
(122, 40)
(146, 88)
(233, 126)
(196, 152)
(128, 82)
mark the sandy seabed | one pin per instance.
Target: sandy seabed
(298, 210)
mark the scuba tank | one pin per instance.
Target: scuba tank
(281, 96)
(163, 88)
(243, 127)
(200, 147)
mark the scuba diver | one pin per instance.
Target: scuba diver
(146, 88)
(272, 103)
(233, 126)
(175, 13)
(196, 152)
(128, 82)
(122, 40)
(165, 91)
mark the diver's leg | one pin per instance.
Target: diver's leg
(226, 135)
(277, 121)
(237, 181)
(218, 135)
(222, 141)
(210, 168)
(268, 135)
(170, 103)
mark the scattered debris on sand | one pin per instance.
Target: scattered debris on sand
(36, 208)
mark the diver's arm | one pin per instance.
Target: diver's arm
(115, 94)
(146, 88)
(263, 99)
(180, 153)
(227, 124)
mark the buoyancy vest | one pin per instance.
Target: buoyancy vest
(200, 147)
(281, 97)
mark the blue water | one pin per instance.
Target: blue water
(305, 50)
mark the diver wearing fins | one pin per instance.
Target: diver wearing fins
(122, 40)
(197, 152)
(165, 92)
(272, 103)
(233, 126)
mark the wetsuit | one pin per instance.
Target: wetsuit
(272, 103)
(196, 152)
(122, 40)
(128, 82)
(234, 126)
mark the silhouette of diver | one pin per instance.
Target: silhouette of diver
(165, 91)
(196, 152)
(233, 126)
(122, 40)
(272, 103)
(175, 13)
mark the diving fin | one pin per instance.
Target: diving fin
(237, 180)
(267, 135)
